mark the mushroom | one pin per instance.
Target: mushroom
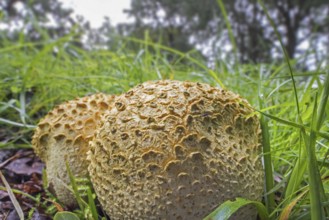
(176, 150)
(63, 135)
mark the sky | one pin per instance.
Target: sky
(95, 11)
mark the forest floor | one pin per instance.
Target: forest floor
(22, 169)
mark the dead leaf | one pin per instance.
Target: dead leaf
(22, 166)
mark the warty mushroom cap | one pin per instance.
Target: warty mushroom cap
(63, 135)
(176, 150)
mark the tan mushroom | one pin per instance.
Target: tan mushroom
(63, 135)
(176, 150)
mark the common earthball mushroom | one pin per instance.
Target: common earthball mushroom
(63, 135)
(176, 150)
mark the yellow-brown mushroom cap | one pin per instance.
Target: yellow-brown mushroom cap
(63, 134)
(176, 150)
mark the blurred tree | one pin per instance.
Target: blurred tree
(190, 23)
(104, 37)
(37, 20)
(171, 22)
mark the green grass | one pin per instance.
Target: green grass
(292, 106)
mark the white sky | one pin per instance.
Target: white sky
(95, 10)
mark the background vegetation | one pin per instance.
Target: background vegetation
(250, 47)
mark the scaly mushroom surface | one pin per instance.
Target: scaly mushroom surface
(176, 150)
(63, 135)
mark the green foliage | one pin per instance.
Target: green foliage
(189, 24)
(269, 181)
(82, 190)
(66, 216)
(37, 76)
(228, 208)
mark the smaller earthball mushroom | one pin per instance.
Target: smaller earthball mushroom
(176, 150)
(63, 135)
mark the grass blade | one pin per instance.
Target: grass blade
(183, 55)
(323, 103)
(22, 193)
(91, 203)
(300, 166)
(22, 111)
(293, 124)
(5, 121)
(12, 197)
(287, 210)
(315, 183)
(229, 28)
(286, 57)
(269, 180)
(310, 159)
(224, 211)
(296, 175)
(319, 121)
(74, 186)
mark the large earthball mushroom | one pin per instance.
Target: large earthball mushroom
(176, 150)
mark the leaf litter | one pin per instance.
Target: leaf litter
(22, 169)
